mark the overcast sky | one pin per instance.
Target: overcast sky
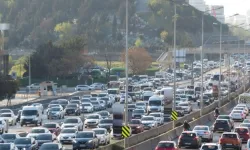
(232, 6)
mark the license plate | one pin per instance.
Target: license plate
(188, 143)
(229, 144)
(82, 145)
(220, 128)
(27, 122)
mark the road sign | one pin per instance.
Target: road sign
(174, 115)
(126, 131)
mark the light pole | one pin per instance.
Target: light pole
(126, 88)
(175, 15)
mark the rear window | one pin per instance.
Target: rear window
(210, 147)
(221, 121)
(232, 136)
(165, 145)
(224, 117)
(241, 130)
(192, 135)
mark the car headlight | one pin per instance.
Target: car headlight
(35, 118)
(74, 141)
(90, 141)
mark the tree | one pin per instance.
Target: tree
(108, 65)
(64, 29)
(138, 42)
(8, 88)
(164, 35)
(139, 60)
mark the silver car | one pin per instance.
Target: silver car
(204, 132)
(159, 117)
(213, 146)
(149, 122)
(67, 135)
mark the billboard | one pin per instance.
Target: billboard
(181, 55)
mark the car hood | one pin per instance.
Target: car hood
(67, 134)
(23, 145)
(154, 107)
(83, 139)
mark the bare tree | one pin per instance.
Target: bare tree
(108, 64)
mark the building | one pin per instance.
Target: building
(198, 4)
(218, 12)
(240, 20)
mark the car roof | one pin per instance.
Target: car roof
(168, 142)
(99, 129)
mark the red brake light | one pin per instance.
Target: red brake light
(196, 138)
(206, 132)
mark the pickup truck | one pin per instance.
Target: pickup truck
(230, 140)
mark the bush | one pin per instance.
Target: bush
(151, 71)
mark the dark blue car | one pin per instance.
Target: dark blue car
(27, 143)
(85, 140)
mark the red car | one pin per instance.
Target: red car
(243, 133)
(166, 145)
(53, 127)
(136, 126)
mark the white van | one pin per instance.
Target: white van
(155, 104)
(31, 115)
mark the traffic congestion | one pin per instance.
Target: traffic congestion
(86, 121)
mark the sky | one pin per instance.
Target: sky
(232, 7)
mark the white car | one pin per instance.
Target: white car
(187, 107)
(6, 111)
(204, 132)
(159, 117)
(67, 135)
(4, 127)
(212, 146)
(238, 115)
(87, 107)
(39, 106)
(36, 131)
(73, 121)
(34, 86)
(97, 86)
(122, 99)
(245, 109)
(102, 135)
(142, 105)
(92, 120)
(83, 88)
(10, 117)
(149, 122)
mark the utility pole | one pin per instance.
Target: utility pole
(202, 42)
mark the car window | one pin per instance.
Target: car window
(38, 131)
(193, 135)
(241, 130)
(233, 136)
(165, 145)
(201, 128)
(47, 125)
(221, 121)
(223, 117)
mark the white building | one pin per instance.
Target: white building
(198, 4)
(240, 20)
(218, 12)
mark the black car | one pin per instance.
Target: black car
(221, 125)
(45, 138)
(189, 139)
(85, 140)
(51, 146)
(18, 116)
(106, 123)
(27, 143)
(72, 109)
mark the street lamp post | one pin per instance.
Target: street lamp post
(202, 42)
(175, 15)
(126, 88)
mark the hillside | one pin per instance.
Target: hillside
(101, 22)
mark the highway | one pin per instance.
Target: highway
(18, 128)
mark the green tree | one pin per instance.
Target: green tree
(8, 88)
(64, 29)
(164, 35)
(138, 42)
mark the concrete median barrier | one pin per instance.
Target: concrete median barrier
(148, 138)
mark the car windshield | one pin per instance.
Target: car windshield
(210, 147)
(75, 102)
(189, 92)
(147, 118)
(99, 132)
(85, 135)
(55, 109)
(183, 104)
(95, 103)
(112, 91)
(9, 136)
(49, 147)
(38, 131)
(93, 117)
(72, 106)
(201, 128)
(86, 104)
(165, 145)
(155, 115)
(138, 111)
(54, 102)
(245, 125)
(140, 104)
(63, 102)
(135, 121)
(49, 125)
(102, 113)
(71, 120)
(154, 103)
(5, 115)
(68, 131)
(106, 121)
(131, 106)
(232, 136)
(29, 112)
(5, 146)
(223, 117)
(23, 141)
(44, 137)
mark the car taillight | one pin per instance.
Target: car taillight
(196, 138)
(156, 148)
(220, 140)
(205, 132)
